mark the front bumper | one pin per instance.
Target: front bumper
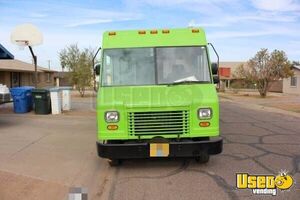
(177, 149)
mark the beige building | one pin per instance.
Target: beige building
(227, 72)
(292, 85)
(61, 79)
(16, 73)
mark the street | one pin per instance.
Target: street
(41, 157)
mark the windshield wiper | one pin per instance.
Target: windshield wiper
(187, 82)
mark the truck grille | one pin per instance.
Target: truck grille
(158, 123)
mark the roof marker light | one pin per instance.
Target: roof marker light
(112, 33)
(154, 32)
(142, 32)
(195, 30)
(165, 31)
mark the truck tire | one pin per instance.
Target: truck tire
(203, 158)
(115, 162)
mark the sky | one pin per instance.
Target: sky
(237, 28)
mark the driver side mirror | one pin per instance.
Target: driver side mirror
(214, 68)
(97, 69)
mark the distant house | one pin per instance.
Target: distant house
(226, 73)
(15, 73)
(288, 85)
(292, 85)
(62, 79)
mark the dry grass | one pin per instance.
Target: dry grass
(275, 100)
(249, 96)
(295, 107)
(88, 94)
(254, 95)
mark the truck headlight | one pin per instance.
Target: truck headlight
(204, 113)
(111, 116)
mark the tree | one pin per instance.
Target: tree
(265, 68)
(79, 65)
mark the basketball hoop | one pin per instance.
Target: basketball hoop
(27, 35)
(22, 44)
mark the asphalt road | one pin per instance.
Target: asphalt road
(41, 157)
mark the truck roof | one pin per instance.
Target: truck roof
(154, 38)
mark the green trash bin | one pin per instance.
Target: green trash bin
(42, 103)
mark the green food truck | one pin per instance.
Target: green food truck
(157, 96)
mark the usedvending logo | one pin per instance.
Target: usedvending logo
(264, 184)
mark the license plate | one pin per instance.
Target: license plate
(159, 149)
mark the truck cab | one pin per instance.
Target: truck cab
(157, 96)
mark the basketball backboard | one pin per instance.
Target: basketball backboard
(26, 35)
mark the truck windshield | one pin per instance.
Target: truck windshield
(151, 66)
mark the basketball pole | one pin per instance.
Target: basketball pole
(35, 66)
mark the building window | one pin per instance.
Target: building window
(48, 77)
(15, 79)
(33, 77)
(227, 83)
(293, 81)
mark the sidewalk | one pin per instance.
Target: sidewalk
(274, 102)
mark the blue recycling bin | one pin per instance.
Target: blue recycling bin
(22, 99)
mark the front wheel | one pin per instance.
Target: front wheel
(115, 162)
(204, 158)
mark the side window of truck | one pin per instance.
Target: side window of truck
(107, 79)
